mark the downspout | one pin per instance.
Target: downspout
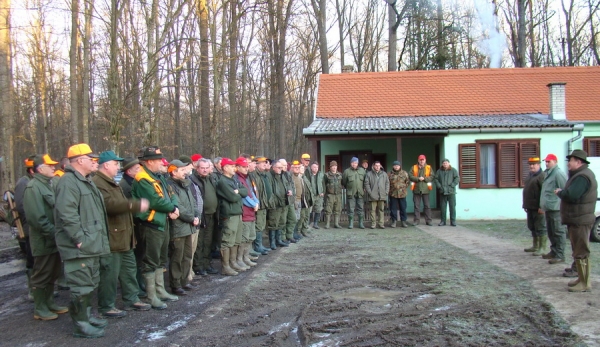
(579, 128)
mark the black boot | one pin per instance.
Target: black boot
(272, 242)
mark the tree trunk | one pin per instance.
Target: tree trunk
(73, 71)
(7, 97)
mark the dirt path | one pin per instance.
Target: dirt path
(579, 309)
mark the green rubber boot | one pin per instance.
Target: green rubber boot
(542, 243)
(161, 292)
(81, 321)
(336, 218)
(52, 306)
(350, 222)
(150, 285)
(535, 246)
(327, 221)
(361, 222)
(41, 310)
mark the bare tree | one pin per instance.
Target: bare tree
(6, 93)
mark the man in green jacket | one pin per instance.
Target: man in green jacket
(577, 206)
(398, 190)
(421, 183)
(264, 194)
(231, 193)
(353, 180)
(39, 201)
(81, 236)
(531, 204)
(18, 199)
(333, 187)
(550, 203)
(446, 180)
(119, 266)
(153, 223)
(377, 186)
(182, 228)
(275, 223)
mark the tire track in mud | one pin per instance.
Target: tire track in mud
(580, 310)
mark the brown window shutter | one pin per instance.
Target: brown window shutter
(467, 158)
(529, 149)
(586, 145)
(508, 165)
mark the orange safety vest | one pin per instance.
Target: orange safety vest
(416, 174)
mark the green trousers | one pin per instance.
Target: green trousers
(156, 248)
(83, 275)
(46, 269)
(248, 232)
(333, 204)
(274, 219)
(115, 268)
(232, 227)
(536, 223)
(290, 221)
(355, 203)
(202, 256)
(449, 200)
(556, 233)
(303, 222)
(181, 256)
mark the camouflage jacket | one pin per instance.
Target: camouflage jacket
(398, 183)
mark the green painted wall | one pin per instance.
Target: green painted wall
(501, 203)
(412, 147)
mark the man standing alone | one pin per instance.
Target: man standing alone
(446, 180)
(549, 203)
(577, 206)
(531, 205)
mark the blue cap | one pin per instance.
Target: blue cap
(354, 159)
(108, 156)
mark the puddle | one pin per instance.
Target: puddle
(368, 294)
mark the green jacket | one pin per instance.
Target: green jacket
(421, 187)
(532, 190)
(316, 182)
(279, 189)
(555, 178)
(263, 189)
(353, 181)
(154, 188)
(38, 199)
(230, 203)
(307, 193)
(447, 180)
(19, 192)
(188, 209)
(377, 185)
(119, 211)
(80, 217)
(333, 183)
(289, 185)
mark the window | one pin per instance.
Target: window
(496, 163)
(592, 146)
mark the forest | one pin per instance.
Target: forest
(223, 77)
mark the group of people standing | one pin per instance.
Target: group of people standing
(556, 204)
(159, 217)
(375, 187)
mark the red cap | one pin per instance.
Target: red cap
(227, 161)
(196, 157)
(241, 161)
(165, 162)
(551, 157)
(422, 156)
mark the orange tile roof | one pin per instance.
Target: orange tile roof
(458, 92)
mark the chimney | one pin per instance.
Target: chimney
(557, 101)
(347, 68)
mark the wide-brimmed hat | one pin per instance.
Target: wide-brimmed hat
(150, 152)
(580, 154)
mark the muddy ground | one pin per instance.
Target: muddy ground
(425, 286)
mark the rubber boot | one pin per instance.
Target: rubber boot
(226, 270)
(258, 245)
(29, 291)
(272, 239)
(535, 246)
(150, 285)
(233, 251)
(336, 224)
(50, 301)
(583, 272)
(279, 241)
(361, 222)
(246, 255)
(240, 257)
(94, 321)
(78, 311)
(316, 223)
(327, 220)
(350, 222)
(542, 243)
(161, 292)
(41, 310)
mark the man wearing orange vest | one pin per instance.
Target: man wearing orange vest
(421, 178)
